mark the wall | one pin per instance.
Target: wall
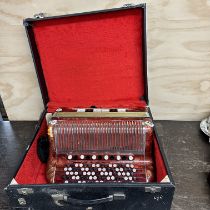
(178, 55)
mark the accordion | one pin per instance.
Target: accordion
(96, 146)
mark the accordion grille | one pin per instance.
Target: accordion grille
(98, 135)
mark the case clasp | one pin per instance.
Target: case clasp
(152, 189)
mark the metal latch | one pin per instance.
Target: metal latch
(25, 191)
(128, 5)
(152, 189)
(40, 15)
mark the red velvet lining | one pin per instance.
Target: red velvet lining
(160, 166)
(32, 171)
(93, 59)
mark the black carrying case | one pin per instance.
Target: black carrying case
(89, 196)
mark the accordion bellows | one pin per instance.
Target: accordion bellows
(100, 150)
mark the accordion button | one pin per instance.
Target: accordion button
(110, 165)
(93, 173)
(65, 169)
(128, 174)
(69, 157)
(94, 157)
(126, 178)
(110, 173)
(119, 174)
(134, 170)
(130, 157)
(132, 166)
(80, 165)
(73, 177)
(76, 172)
(93, 165)
(88, 173)
(95, 177)
(121, 169)
(70, 169)
(123, 173)
(82, 157)
(76, 165)
(90, 177)
(112, 178)
(97, 165)
(117, 169)
(106, 157)
(108, 178)
(84, 173)
(66, 182)
(99, 169)
(130, 178)
(106, 173)
(77, 177)
(86, 169)
(71, 173)
(115, 165)
(67, 173)
(127, 165)
(118, 157)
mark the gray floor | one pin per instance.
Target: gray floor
(187, 150)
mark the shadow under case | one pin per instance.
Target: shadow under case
(92, 59)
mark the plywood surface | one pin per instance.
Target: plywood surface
(178, 55)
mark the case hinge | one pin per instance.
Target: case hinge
(128, 5)
(25, 191)
(152, 189)
(40, 15)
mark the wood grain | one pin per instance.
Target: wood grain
(178, 36)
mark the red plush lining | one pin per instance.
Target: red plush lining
(32, 171)
(93, 59)
(160, 166)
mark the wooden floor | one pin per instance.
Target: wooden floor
(187, 150)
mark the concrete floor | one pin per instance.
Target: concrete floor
(187, 151)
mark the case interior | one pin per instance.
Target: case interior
(90, 60)
(94, 59)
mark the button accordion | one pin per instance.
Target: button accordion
(100, 146)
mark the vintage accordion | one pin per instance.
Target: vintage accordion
(98, 146)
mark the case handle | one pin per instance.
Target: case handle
(68, 199)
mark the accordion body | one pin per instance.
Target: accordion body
(100, 147)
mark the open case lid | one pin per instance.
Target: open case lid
(91, 59)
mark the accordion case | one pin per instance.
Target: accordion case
(103, 151)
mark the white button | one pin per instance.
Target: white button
(106, 157)
(108, 178)
(80, 165)
(71, 173)
(84, 173)
(106, 173)
(93, 173)
(97, 165)
(70, 168)
(65, 169)
(73, 177)
(121, 169)
(110, 173)
(128, 174)
(82, 157)
(118, 157)
(67, 173)
(69, 157)
(66, 181)
(130, 157)
(127, 165)
(94, 157)
(134, 170)
(76, 173)
(119, 174)
(110, 165)
(126, 178)
(76, 165)
(123, 173)
(88, 173)
(115, 165)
